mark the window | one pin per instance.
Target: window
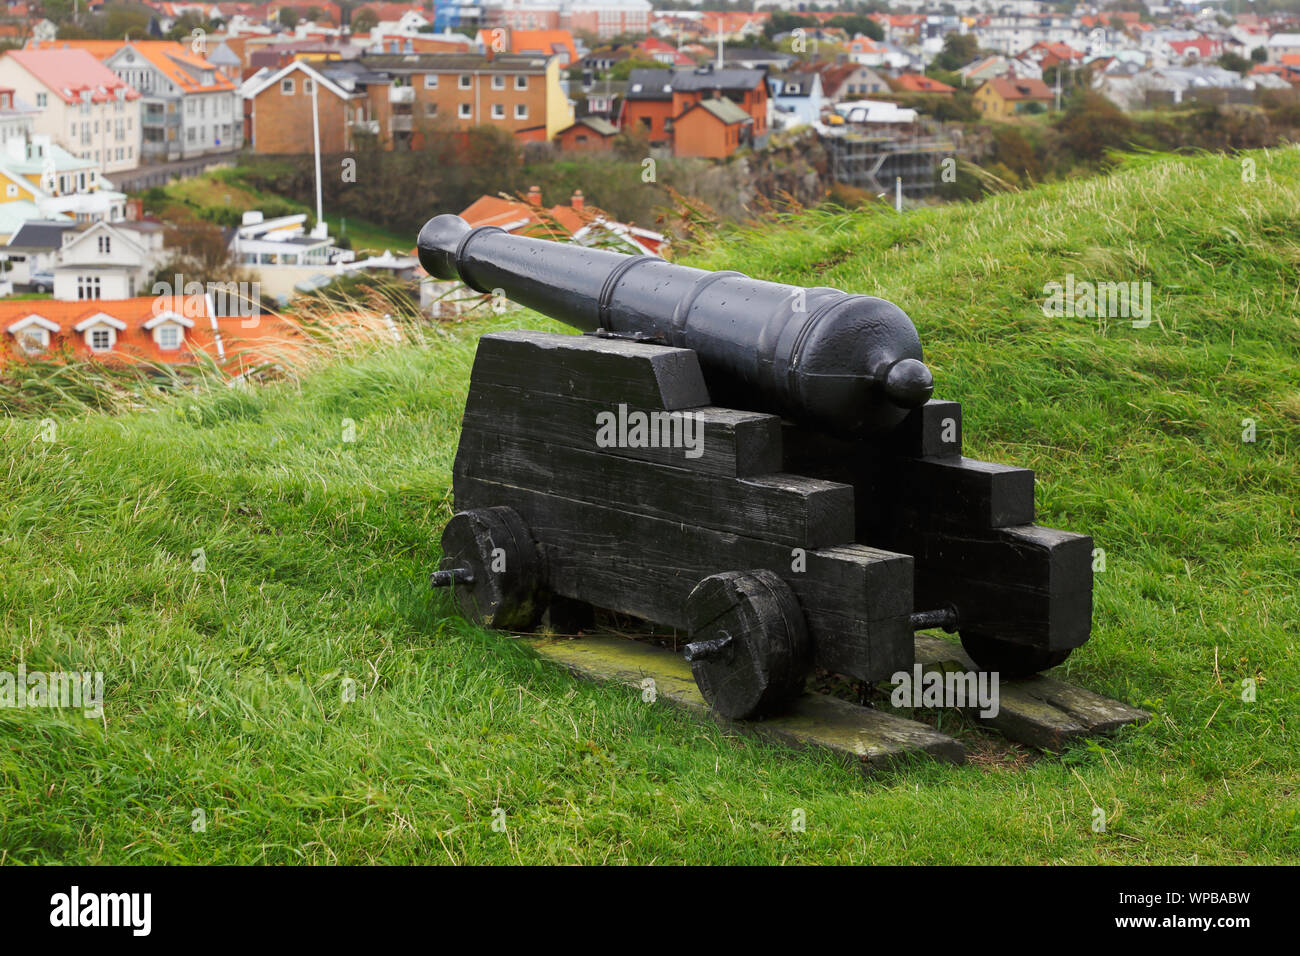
(498, 82)
(286, 87)
(306, 87)
(521, 82)
(11, 190)
(431, 81)
(42, 100)
(101, 340)
(498, 111)
(33, 340)
(169, 337)
(88, 287)
(521, 111)
(106, 244)
(464, 82)
(430, 109)
(464, 111)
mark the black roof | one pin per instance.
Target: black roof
(650, 84)
(41, 234)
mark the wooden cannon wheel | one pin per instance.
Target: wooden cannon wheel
(1008, 659)
(490, 562)
(749, 649)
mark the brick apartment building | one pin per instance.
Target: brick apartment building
(395, 97)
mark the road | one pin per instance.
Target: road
(160, 174)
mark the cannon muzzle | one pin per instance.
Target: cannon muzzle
(846, 364)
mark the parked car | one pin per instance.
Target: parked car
(42, 282)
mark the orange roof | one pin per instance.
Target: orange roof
(532, 41)
(1020, 89)
(166, 55)
(916, 83)
(268, 340)
(529, 219)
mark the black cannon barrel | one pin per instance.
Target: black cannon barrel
(849, 364)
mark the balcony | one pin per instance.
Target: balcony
(401, 124)
(368, 126)
(401, 94)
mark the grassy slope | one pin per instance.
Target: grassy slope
(223, 188)
(225, 687)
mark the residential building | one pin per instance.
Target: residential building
(16, 119)
(655, 98)
(190, 105)
(711, 129)
(514, 92)
(104, 260)
(608, 18)
(590, 134)
(33, 248)
(798, 96)
(284, 105)
(1003, 97)
(83, 106)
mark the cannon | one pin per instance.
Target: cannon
(759, 465)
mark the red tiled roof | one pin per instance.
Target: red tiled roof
(1020, 89)
(271, 339)
(67, 72)
(916, 83)
(526, 219)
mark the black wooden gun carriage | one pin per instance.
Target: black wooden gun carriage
(757, 464)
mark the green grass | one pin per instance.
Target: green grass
(213, 194)
(225, 688)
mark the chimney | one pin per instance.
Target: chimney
(577, 201)
(535, 195)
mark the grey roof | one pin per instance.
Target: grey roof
(650, 84)
(724, 110)
(597, 125)
(40, 234)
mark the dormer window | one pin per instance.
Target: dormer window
(168, 329)
(100, 331)
(32, 334)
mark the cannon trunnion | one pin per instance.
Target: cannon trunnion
(595, 472)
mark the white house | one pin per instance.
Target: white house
(108, 261)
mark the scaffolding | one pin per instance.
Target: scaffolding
(874, 160)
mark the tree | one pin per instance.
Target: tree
(1258, 55)
(364, 20)
(958, 50)
(1234, 62)
(288, 17)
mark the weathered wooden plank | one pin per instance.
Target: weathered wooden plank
(1029, 584)
(859, 736)
(596, 369)
(735, 443)
(931, 431)
(1039, 711)
(899, 491)
(801, 512)
(856, 599)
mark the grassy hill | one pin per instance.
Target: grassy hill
(225, 687)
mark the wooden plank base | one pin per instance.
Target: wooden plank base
(858, 735)
(1039, 711)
